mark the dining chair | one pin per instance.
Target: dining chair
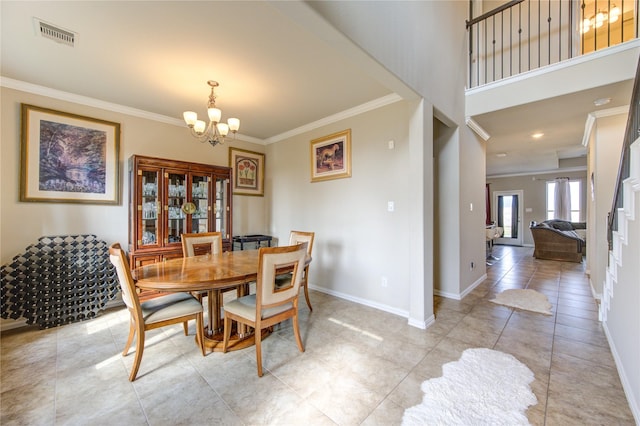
(209, 241)
(202, 243)
(173, 308)
(269, 305)
(297, 237)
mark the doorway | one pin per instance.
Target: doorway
(508, 214)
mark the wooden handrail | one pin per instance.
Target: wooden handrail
(492, 12)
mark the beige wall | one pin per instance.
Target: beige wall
(22, 223)
(358, 241)
(534, 195)
(410, 55)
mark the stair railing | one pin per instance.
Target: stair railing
(632, 132)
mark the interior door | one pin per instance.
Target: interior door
(508, 214)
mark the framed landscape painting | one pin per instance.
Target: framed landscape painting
(248, 172)
(68, 158)
(331, 156)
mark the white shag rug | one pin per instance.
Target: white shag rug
(529, 300)
(484, 387)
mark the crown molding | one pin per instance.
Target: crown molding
(360, 109)
(539, 172)
(477, 128)
(108, 106)
(593, 116)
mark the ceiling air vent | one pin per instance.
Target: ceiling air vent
(55, 33)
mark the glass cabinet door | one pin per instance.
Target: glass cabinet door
(176, 196)
(221, 206)
(200, 198)
(148, 208)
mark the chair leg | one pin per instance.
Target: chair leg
(226, 333)
(306, 296)
(258, 334)
(296, 332)
(200, 332)
(185, 325)
(139, 351)
(132, 333)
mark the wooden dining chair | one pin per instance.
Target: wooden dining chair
(269, 305)
(297, 237)
(173, 308)
(201, 243)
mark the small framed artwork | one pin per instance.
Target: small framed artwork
(331, 156)
(68, 158)
(248, 172)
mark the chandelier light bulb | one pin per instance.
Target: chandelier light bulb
(200, 126)
(614, 14)
(234, 124)
(190, 118)
(214, 114)
(223, 128)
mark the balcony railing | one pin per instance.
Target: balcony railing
(522, 35)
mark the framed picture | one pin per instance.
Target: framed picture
(248, 172)
(68, 158)
(331, 156)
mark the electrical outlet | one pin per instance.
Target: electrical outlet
(384, 282)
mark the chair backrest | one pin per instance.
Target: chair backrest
(297, 237)
(119, 260)
(212, 239)
(274, 261)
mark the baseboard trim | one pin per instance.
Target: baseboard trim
(460, 296)
(626, 386)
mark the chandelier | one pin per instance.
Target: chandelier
(215, 131)
(598, 20)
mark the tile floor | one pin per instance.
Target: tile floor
(361, 365)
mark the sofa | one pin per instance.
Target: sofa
(558, 240)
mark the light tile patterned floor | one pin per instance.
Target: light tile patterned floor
(361, 365)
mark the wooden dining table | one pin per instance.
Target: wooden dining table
(212, 273)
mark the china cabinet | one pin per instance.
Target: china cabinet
(168, 198)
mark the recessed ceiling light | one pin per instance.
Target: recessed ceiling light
(601, 101)
(537, 135)
(501, 154)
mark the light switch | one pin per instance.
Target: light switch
(391, 144)
(470, 207)
(391, 206)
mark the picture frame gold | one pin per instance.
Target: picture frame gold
(248, 172)
(331, 156)
(68, 158)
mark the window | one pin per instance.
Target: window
(574, 186)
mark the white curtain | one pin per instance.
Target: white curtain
(562, 199)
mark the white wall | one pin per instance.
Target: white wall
(22, 223)
(621, 294)
(357, 241)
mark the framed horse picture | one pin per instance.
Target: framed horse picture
(331, 156)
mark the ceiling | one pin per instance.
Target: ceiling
(158, 56)
(275, 74)
(562, 120)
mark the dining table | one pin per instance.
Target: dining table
(213, 274)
